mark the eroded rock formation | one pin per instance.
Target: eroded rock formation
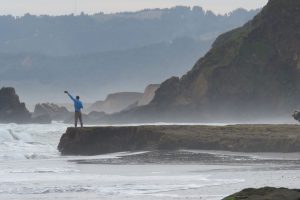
(55, 112)
(11, 109)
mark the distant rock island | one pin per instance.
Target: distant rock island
(266, 193)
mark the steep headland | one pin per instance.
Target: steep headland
(241, 138)
(250, 72)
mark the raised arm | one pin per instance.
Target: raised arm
(73, 99)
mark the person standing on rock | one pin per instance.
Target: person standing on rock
(78, 106)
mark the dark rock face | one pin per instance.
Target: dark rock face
(241, 138)
(266, 193)
(250, 72)
(296, 116)
(92, 141)
(11, 109)
(55, 112)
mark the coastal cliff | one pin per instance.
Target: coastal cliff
(241, 138)
(250, 72)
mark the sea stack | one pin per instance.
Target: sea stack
(11, 109)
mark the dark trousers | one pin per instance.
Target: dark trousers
(78, 116)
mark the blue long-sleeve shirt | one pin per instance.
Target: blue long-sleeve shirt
(77, 104)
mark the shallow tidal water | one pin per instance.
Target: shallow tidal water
(32, 168)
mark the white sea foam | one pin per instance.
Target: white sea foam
(29, 141)
(113, 184)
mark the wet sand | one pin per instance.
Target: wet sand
(206, 175)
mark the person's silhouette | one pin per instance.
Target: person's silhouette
(77, 106)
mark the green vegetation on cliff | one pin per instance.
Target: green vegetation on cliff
(249, 72)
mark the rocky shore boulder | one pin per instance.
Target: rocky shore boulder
(266, 193)
(11, 109)
(296, 115)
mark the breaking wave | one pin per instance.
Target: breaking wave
(29, 141)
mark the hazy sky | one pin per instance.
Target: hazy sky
(58, 7)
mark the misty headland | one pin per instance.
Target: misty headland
(105, 53)
(249, 75)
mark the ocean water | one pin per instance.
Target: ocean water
(32, 168)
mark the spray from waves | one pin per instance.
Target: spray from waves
(29, 141)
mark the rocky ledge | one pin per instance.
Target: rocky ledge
(266, 193)
(241, 138)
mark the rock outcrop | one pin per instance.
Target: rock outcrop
(148, 95)
(116, 102)
(296, 115)
(242, 138)
(251, 72)
(266, 193)
(11, 109)
(55, 112)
